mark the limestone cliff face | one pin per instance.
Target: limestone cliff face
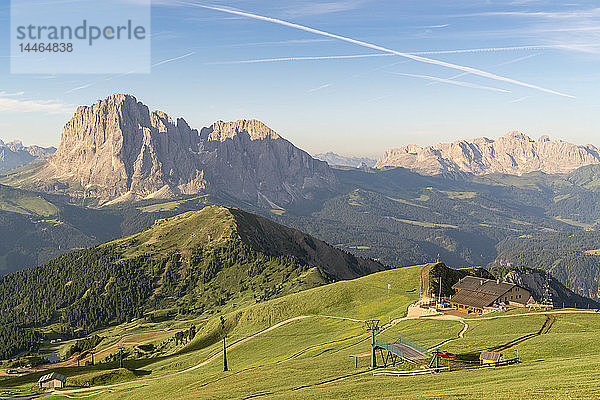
(252, 162)
(515, 153)
(118, 149)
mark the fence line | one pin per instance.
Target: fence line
(446, 369)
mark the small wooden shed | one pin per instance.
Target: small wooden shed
(52, 380)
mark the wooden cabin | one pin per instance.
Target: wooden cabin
(53, 380)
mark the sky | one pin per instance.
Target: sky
(356, 77)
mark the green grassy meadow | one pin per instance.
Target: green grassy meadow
(312, 357)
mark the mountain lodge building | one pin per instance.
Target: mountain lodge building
(52, 380)
(477, 295)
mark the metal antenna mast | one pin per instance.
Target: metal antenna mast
(548, 301)
(373, 327)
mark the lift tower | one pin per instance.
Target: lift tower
(373, 327)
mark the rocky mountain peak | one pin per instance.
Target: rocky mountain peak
(514, 153)
(117, 149)
(517, 136)
(255, 130)
(14, 154)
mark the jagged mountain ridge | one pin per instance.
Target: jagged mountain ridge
(346, 161)
(14, 154)
(116, 149)
(514, 153)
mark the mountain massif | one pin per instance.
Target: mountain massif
(514, 154)
(14, 154)
(345, 161)
(116, 149)
(141, 166)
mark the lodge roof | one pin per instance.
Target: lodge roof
(483, 285)
(474, 299)
(52, 376)
(479, 292)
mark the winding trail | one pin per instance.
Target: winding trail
(461, 335)
(215, 356)
(193, 368)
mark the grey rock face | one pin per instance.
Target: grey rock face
(14, 154)
(117, 149)
(336, 159)
(515, 154)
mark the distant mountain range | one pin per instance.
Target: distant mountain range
(514, 153)
(117, 150)
(14, 154)
(344, 161)
(141, 166)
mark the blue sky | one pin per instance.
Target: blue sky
(361, 105)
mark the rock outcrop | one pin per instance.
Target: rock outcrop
(117, 149)
(14, 154)
(544, 287)
(345, 161)
(515, 154)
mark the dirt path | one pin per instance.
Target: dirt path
(344, 318)
(238, 343)
(461, 335)
(193, 368)
(550, 320)
(72, 361)
(445, 317)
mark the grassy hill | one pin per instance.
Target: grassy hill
(196, 263)
(395, 216)
(308, 351)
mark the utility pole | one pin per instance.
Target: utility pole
(92, 358)
(373, 327)
(225, 368)
(224, 336)
(120, 357)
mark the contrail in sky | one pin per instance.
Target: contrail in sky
(173, 59)
(310, 58)
(483, 50)
(111, 77)
(498, 65)
(345, 57)
(379, 48)
(453, 82)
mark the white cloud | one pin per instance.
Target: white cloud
(8, 103)
(6, 94)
